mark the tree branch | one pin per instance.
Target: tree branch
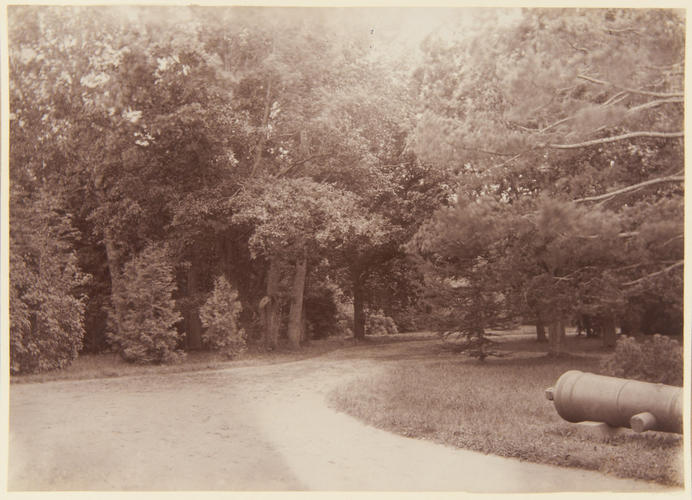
(298, 163)
(569, 276)
(511, 159)
(485, 151)
(522, 127)
(555, 124)
(565, 89)
(633, 187)
(597, 236)
(617, 31)
(578, 49)
(653, 104)
(263, 138)
(677, 237)
(664, 270)
(630, 90)
(616, 138)
(616, 98)
(666, 67)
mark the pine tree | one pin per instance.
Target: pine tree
(219, 316)
(144, 310)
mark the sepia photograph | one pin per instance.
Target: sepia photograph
(343, 248)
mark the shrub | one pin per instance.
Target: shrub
(143, 318)
(378, 324)
(390, 326)
(658, 359)
(46, 313)
(46, 320)
(409, 320)
(219, 316)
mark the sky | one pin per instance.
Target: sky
(397, 29)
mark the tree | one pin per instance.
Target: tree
(296, 218)
(578, 106)
(219, 316)
(465, 243)
(391, 181)
(145, 315)
(129, 126)
(332, 116)
(47, 311)
(47, 286)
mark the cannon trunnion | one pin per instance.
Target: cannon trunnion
(642, 406)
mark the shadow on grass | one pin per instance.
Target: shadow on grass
(517, 350)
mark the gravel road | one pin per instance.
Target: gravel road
(258, 428)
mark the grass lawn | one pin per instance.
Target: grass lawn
(499, 407)
(91, 366)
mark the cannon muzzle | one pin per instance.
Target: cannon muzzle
(642, 406)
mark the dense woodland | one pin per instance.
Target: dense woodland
(232, 178)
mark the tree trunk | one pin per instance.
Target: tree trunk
(358, 310)
(608, 331)
(193, 324)
(304, 334)
(540, 331)
(113, 257)
(269, 306)
(631, 323)
(556, 335)
(480, 335)
(296, 312)
(193, 329)
(263, 137)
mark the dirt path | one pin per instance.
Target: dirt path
(253, 428)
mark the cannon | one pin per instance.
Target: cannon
(642, 406)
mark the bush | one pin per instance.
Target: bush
(219, 316)
(409, 320)
(142, 321)
(46, 320)
(658, 359)
(378, 324)
(46, 312)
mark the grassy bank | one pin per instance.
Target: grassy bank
(499, 407)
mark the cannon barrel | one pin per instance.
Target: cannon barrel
(580, 396)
